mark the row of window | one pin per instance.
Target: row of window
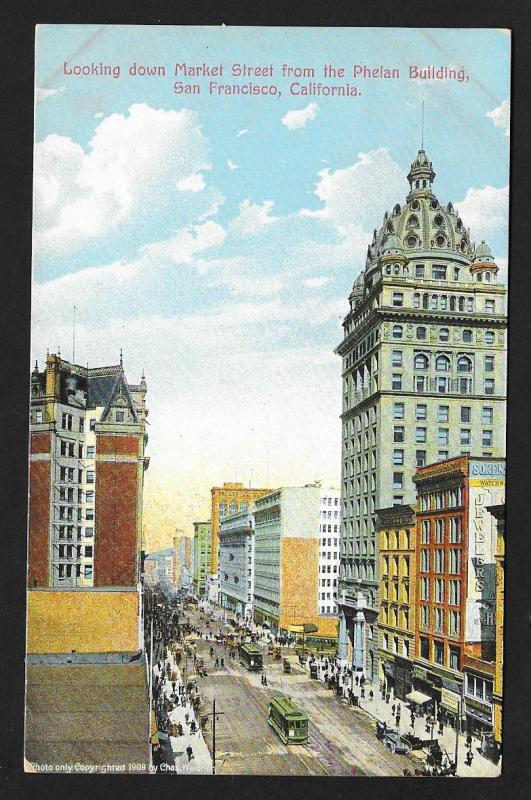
(436, 529)
(438, 652)
(74, 551)
(67, 532)
(437, 619)
(443, 302)
(68, 449)
(74, 570)
(443, 434)
(67, 495)
(441, 385)
(391, 591)
(443, 591)
(397, 646)
(421, 332)
(441, 561)
(69, 513)
(443, 413)
(233, 508)
(396, 540)
(443, 363)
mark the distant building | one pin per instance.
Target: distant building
(287, 558)
(397, 598)
(236, 563)
(329, 552)
(163, 571)
(182, 561)
(455, 585)
(230, 498)
(202, 557)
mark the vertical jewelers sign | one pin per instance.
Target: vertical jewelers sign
(486, 488)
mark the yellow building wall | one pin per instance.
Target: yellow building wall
(88, 622)
(497, 694)
(229, 492)
(393, 545)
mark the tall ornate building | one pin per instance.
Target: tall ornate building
(423, 359)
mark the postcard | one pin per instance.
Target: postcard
(267, 401)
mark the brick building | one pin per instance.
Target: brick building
(455, 577)
(87, 463)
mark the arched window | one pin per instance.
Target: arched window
(487, 277)
(479, 276)
(421, 332)
(397, 331)
(421, 361)
(464, 364)
(417, 183)
(413, 221)
(396, 269)
(442, 364)
(388, 269)
(438, 220)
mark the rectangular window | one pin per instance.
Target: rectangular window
(398, 433)
(398, 480)
(419, 270)
(92, 425)
(490, 306)
(438, 272)
(120, 416)
(89, 533)
(398, 457)
(398, 410)
(398, 298)
(489, 385)
(397, 358)
(420, 411)
(88, 551)
(442, 436)
(424, 588)
(419, 383)
(456, 273)
(397, 381)
(90, 452)
(454, 623)
(439, 531)
(424, 647)
(442, 414)
(420, 435)
(89, 513)
(454, 561)
(38, 416)
(439, 590)
(455, 530)
(439, 561)
(465, 413)
(439, 621)
(466, 437)
(438, 652)
(90, 476)
(81, 424)
(489, 363)
(486, 439)
(398, 500)
(453, 658)
(420, 458)
(454, 592)
(487, 415)
(424, 560)
(425, 531)
(66, 421)
(442, 385)
(88, 571)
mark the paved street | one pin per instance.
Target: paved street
(342, 740)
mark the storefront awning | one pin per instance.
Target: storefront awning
(418, 697)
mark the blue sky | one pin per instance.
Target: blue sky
(216, 239)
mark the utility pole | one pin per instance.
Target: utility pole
(214, 714)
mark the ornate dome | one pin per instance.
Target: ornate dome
(483, 252)
(422, 227)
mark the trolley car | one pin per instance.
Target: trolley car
(250, 657)
(288, 721)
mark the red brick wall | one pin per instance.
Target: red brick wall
(107, 444)
(115, 546)
(40, 442)
(39, 517)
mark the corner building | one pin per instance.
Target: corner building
(423, 359)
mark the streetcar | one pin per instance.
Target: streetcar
(288, 721)
(250, 657)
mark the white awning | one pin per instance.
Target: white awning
(418, 697)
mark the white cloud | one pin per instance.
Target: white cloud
(360, 194)
(316, 283)
(501, 116)
(242, 133)
(231, 164)
(298, 118)
(42, 94)
(134, 163)
(99, 115)
(252, 217)
(191, 183)
(485, 211)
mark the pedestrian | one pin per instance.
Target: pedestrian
(397, 720)
(468, 758)
(469, 740)
(393, 709)
(265, 679)
(350, 697)
(222, 662)
(217, 661)
(363, 692)
(387, 696)
(186, 717)
(180, 729)
(193, 727)
(189, 753)
(371, 695)
(357, 680)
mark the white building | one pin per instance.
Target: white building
(329, 528)
(236, 563)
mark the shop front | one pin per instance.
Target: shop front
(389, 676)
(478, 717)
(450, 705)
(403, 677)
(426, 692)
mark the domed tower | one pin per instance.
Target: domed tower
(423, 375)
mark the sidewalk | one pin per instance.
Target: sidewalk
(201, 762)
(377, 707)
